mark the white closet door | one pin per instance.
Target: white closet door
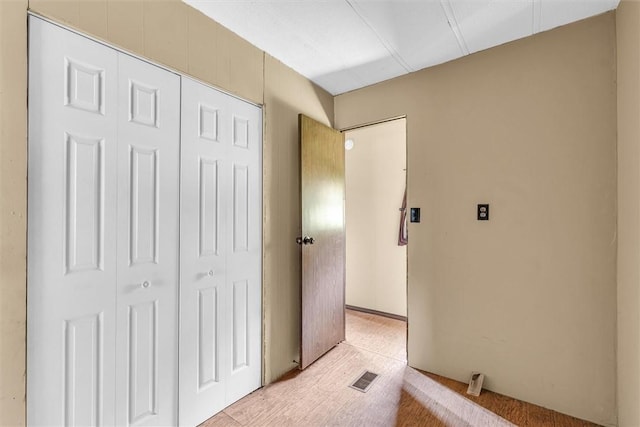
(244, 249)
(204, 191)
(220, 244)
(72, 214)
(148, 206)
(103, 234)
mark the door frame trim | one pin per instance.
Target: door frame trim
(376, 122)
(406, 147)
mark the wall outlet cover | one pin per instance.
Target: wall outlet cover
(483, 212)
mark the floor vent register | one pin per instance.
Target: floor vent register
(363, 382)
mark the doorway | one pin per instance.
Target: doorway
(375, 175)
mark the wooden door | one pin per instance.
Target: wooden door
(72, 269)
(148, 206)
(220, 251)
(323, 239)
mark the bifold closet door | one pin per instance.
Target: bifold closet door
(103, 235)
(148, 207)
(220, 251)
(72, 221)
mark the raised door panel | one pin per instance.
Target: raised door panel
(143, 205)
(148, 199)
(203, 251)
(83, 379)
(71, 221)
(208, 207)
(143, 361)
(84, 204)
(207, 353)
(240, 325)
(240, 212)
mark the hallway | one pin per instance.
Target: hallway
(400, 396)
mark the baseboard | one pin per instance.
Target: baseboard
(376, 312)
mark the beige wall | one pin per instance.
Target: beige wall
(529, 297)
(375, 174)
(628, 54)
(170, 33)
(13, 209)
(529, 127)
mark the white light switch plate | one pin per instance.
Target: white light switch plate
(475, 384)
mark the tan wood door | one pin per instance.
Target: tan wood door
(322, 240)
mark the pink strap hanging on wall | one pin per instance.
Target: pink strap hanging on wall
(403, 237)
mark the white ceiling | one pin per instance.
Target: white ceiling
(344, 45)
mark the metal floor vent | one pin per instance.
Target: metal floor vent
(364, 381)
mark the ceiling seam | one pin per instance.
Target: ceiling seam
(447, 7)
(309, 43)
(399, 59)
(537, 16)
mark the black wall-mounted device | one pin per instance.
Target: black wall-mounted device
(414, 214)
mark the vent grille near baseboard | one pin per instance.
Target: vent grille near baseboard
(364, 381)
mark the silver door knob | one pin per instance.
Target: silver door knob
(146, 284)
(210, 273)
(306, 240)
